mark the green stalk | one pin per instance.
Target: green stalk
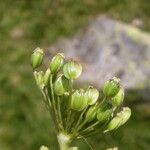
(53, 102)
(69, 109)
(59, 112)
(80, 118)
(48, 106)
(91, 127)
(81, 125)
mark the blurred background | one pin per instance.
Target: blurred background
(109, 37)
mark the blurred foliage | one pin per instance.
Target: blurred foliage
(26, 24)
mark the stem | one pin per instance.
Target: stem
(85, 140)
(59, 112)
(80, 118)
(48, 106)
(52, 93)
(64, 141)
(69, 104)
(53, 101)
(91, 127)
(93, 132)
(81, 125)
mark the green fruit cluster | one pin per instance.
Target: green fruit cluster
(78, 112)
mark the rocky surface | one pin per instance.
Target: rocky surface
(108, 48)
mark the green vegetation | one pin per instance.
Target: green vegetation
(25, 25)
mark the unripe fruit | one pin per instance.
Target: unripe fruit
(79, 100)
(104, 113)
(114, 123)
(111, 87)
(118, 98)
(61, 85)
(37, 58)
(125, 114)
(103, 116)
(72, 70)
(56, 63)
(92, 95)
(119, 119)
(91, 114)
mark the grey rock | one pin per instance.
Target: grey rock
(108, 48)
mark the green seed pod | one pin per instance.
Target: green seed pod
(72, 70)
(111, 87)
(47, 76)
(119, 119)
(79, 100)
(92, 95)
(125, 115)
(61, 85)
(91, 114)
(118, 98)
(39, 77)
(104, 112)
(104, 115)
(37, 58)
(56, 63)
(114, 123)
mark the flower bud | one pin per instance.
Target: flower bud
(56, 63)
(72, 70)
(46, 76)
(92, 95)
(118, 98)
(91, 114)
(104, 113)
(61, 85)
(39, 76)
(119, 119)
(111, 87)
(37, 58)
(79, 100)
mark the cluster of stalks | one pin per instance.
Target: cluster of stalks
(77, 113)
